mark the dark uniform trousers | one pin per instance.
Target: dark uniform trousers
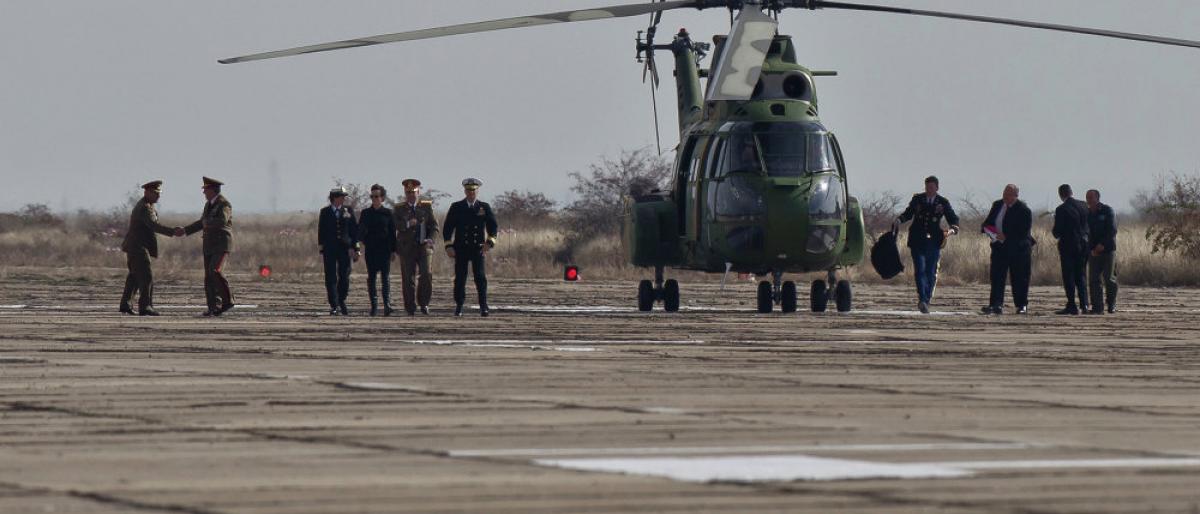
(337, 275)
(1103, 267)
(476, 259)
(140, 279)
(216, 287)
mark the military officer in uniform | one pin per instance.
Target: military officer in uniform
(140, 246)
(472, 226)
(337, 240)
(377, 231)
(416, 229)
(217, 223)
(1102, 224)
(926, 237)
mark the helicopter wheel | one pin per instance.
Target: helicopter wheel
(820, 296)
(787, 297)
(645, 296)
(671, 296)
(843, 295)
(765, 301)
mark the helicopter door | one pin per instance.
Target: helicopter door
(681, 183)
(695, 180)
(837, 154)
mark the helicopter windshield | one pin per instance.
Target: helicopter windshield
(782, 149)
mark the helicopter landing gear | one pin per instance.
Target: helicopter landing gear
(776, 292)
(650, 292)
(843, 295)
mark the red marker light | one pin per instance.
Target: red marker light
(264, 271)
(571, 274)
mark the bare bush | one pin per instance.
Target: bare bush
(1172, 210)
(879, 210)
(524, 208)
(597, 211)
(36, 215)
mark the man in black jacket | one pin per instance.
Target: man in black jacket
(472, 226)
(377, 231)
(926, 237)
(337, 239)
(1071, 229)
(1102, 236)
(1008, 225)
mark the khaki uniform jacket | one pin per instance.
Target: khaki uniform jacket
(217, 223)
(143, 225)
(408, 238)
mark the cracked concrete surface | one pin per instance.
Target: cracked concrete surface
(283, 409)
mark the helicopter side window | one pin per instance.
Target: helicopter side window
(714, 158)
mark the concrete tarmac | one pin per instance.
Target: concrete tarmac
(567, 400)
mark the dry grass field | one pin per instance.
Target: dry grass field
(287, 243)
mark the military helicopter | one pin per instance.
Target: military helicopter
(759, 184)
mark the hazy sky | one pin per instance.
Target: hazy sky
(99, 96)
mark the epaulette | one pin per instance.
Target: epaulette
(425, 203)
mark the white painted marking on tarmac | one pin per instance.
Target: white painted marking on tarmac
(375, 386)
(546, 342)
(755, 468)
(741, 450)
(1077, 463)
(106, 307)
(663, 410)
(532, 347)
(912, 313)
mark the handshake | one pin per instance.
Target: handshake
(180, 232)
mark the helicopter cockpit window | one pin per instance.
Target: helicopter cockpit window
(742, 155)
(793, 154)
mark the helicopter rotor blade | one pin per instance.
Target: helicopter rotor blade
(820, 4)
(736, 74)
(619, 11)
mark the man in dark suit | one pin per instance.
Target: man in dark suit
(337, 241)
(472, 226)
(1071, 230)
(1102, 236)
(926, 237)
(140, 246)
(1008, 225)
(216, 222)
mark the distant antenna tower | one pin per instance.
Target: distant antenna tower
(273, 178)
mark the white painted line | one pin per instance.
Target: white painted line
(376, 386)
(912, 313)
(545, 342)
(755, 469)
(106, 307)
(739, 450)
(1081, 463)
(532, 347)
(663, 410)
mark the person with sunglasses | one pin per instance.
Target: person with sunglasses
(377, 231)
